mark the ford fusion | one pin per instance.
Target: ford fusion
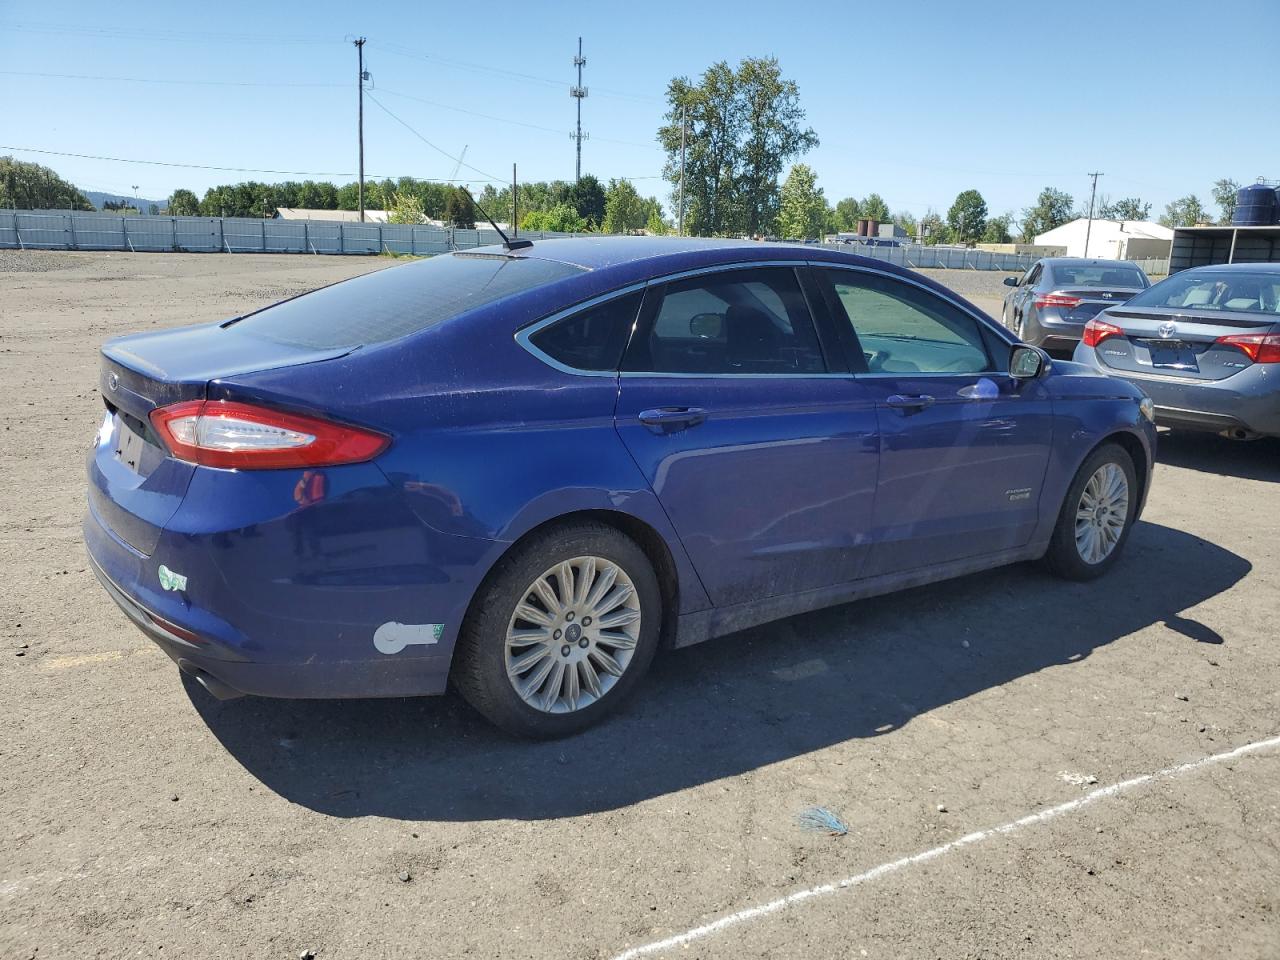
(526, 469)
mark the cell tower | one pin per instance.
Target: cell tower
(578, 92)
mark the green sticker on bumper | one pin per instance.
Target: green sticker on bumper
(170, 580)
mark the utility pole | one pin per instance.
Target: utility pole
(361, 77)
(1089, 226)
(683, 128)
(515, 203)
(136, 202)
(578, 92)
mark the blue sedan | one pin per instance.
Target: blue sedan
(525, 469)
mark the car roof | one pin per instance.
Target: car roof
(1086, 262)
(666, 253)
(1254, 267)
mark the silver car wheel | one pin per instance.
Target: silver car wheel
(572, 634)
(1102, 513)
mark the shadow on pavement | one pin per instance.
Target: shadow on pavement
(728, 706)
(1210, 453)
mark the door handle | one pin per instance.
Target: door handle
(909, 403)
(669, 419)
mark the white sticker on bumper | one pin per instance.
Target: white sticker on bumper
(392, 637)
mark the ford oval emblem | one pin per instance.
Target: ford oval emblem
(113, 380)
(1166, 329)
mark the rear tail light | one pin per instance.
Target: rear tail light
(1056, 300)
(222, 433)
(1095, 331)
(1258, 347)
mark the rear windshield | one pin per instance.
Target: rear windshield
(1090, 276)
(391, 303)
(1215, 290)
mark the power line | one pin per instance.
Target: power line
(203, 166)
(439, 150)
(161, 36)
(402, 51)
(164, 80)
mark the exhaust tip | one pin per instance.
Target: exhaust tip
(212, 684)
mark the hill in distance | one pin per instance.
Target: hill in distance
(98, 198)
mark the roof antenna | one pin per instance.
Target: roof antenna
(507, 242)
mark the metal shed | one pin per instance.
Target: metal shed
(1205, 246)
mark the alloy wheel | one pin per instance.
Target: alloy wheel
(1102, 513)
(572, 634)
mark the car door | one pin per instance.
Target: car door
(1025, 293)
(964, 446)
(762, 455)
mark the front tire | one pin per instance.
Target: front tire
(1096, 517)
(561, 633)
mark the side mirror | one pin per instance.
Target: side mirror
(1010, 281)
(1027, 363)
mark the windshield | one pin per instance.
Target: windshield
(1098, 276)
(1215, 290)
(391, 303)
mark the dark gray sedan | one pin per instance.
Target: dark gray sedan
(1050, 303)
(1203, 344)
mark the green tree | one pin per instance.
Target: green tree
(802, 210)
(587, 197)
(459, 210)
(874, 208)
(655, 225)
(1224, 195)
(1126, 208)
(183, 203)
(907, 221)
(406, 207)
(1184, 212)
(933, 229)
(1053, 209)
(742, 126)
(30, 186)
(561, 218)
(624, 211)
(846, 214)
(967, 217)
(998, 229)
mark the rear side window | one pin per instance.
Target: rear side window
(594, 338)
(393, 303)
(733, 322)
(902, 328)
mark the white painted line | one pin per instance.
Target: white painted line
(773, 906)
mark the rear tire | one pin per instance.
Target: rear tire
(1096, 516)
(561, 633)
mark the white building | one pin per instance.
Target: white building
(345, 216)
(1110, 239)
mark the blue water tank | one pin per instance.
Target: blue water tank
(1257, 205)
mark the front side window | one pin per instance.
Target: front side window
(902, 328)
(592, 339)
(735, 322)
(1215, 290)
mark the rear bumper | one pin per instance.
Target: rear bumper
(1046, 329)
(299, 604)
(1249, 400)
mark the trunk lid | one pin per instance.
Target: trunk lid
(1169, 342)
(1092, 300)
(134, 486)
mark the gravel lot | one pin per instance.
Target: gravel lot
(144, 819)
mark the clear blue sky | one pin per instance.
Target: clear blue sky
(916, 101)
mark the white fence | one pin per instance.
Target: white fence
(56, 230)
(68, 230)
